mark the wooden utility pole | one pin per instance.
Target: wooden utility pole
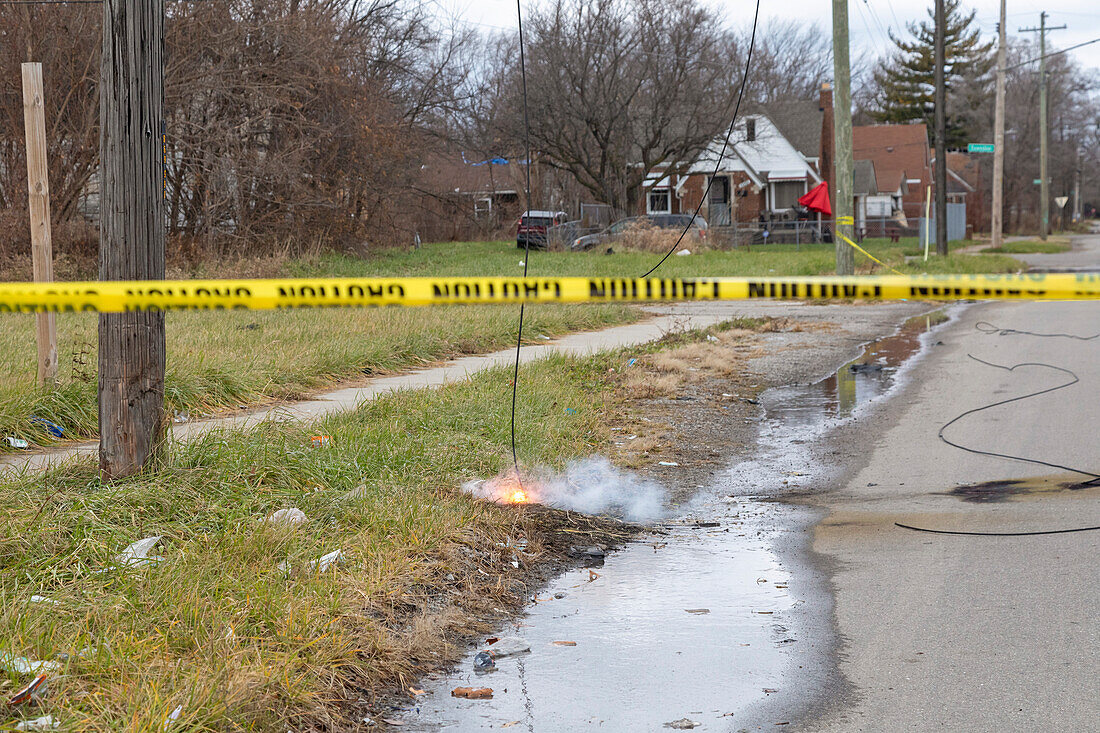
(131, 233)
(842, 139)
(38, 205)
(1077, 189)
(997, 219)
(1044, 175)
(940, 174)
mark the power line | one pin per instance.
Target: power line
(1052, 53)
(526, 239)
(897, 23)
(722, 152)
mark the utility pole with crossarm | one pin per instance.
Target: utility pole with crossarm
(1044, 176)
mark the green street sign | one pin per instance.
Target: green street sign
(980, 148)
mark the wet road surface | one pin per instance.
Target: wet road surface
(700, 621)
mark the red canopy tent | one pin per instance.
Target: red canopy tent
(817, 199)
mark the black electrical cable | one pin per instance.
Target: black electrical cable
(996, 534)
(526, 239)
(725, 144)
(986, 327)
(1074, 379)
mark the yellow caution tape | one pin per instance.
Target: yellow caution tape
(418, 291)
(849, 220)
(867, 254)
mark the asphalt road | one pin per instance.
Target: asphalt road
(940, 632)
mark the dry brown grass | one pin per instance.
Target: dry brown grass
(644, 237)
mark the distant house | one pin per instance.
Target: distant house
(864, 188)
(968, 170)
(465, 197)
(761, 173)
(903, 167)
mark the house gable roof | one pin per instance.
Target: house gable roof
(770, 157)
(898, 151)
(799, 120)
(864, 182)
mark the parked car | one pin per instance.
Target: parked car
(697, 230)
(532, 225)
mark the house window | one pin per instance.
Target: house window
(750, 129)
(787, 194)
(659, 201)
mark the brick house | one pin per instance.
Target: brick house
(902, 161)
(762, 173)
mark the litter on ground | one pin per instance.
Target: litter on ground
(23, 665)
(46, 722)
(324, 562)
(473, 693)
(287, 517)
(508, 645)
(137, 554)
(36, 689)
(172, 717)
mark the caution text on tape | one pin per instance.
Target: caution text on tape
(422, 291)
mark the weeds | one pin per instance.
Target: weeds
(217, 628)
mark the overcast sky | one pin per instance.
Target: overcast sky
(869, 20)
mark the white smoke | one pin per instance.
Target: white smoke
(590, 485)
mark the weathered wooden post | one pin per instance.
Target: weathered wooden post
(132, 233)
(38, 205)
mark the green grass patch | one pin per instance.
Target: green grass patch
(228, 358)
(216, 628)
(503, 259)
(1031, 247)
(222, 359)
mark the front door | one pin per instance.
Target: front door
(718, 203)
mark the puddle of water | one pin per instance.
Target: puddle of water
(645, 652)
(865, 378)
(641, 658)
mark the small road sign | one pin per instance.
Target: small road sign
(1061, 201)
(980, 148)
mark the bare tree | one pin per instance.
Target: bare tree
(66, 41)
(616, 89)
(789, 61)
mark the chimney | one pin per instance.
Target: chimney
(825, 162)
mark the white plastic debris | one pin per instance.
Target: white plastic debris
(137, 554)
(521, 263)
(684, 252)
(181, 417)
(507, 646)
(324, 562)
(284, 566)
(46, 722)
(669, 463)
(711, 337)
(16, 442)
(289, 517)
(172, 717)
(43, 599)
(23, 665)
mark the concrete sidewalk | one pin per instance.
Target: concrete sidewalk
(666, 319)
